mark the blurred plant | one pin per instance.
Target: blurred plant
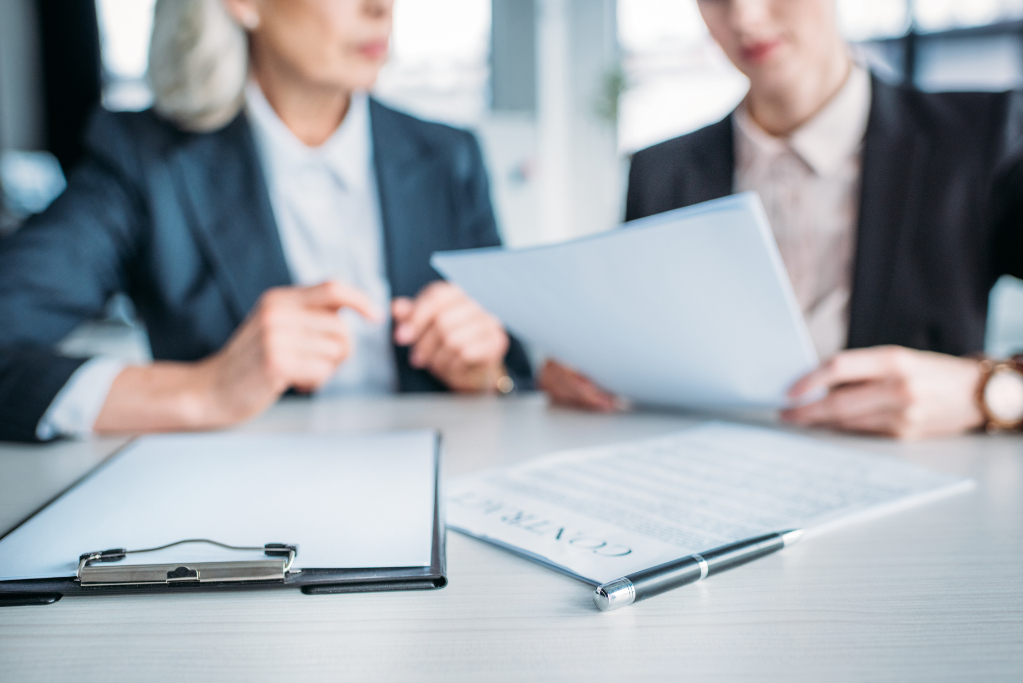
(613, 85)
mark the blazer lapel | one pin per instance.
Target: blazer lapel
(221, 177)
(405, 173)
(712, 174)
(894, 160)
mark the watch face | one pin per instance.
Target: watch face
(1003, 396)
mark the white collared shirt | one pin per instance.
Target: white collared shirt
(327, 209)
(809, 182)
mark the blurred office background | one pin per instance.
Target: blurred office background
(560, 93)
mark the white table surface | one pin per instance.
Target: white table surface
(934, 593)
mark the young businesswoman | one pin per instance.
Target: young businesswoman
(895, 211)
(270, 222)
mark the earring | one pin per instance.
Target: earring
(251, 21)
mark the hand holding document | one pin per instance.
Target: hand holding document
(602, 513)
(688, 308)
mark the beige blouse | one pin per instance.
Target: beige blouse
(809, 183)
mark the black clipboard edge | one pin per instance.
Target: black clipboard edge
(311, 581)
(438, 559)
(23, 599)
(375, 586)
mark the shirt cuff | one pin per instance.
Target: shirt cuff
(76, 406)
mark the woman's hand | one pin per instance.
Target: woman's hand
(566, 387)
(893, 391)
(292, 338)
(451, 336)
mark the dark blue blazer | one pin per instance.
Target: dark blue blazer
(182, 223)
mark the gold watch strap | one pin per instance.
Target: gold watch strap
(988, 368)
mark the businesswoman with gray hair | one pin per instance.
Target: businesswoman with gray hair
(272, 224)
(895, 212)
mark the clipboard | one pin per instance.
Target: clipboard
(356, 498)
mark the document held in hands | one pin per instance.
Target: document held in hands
(601, 513)
(691, 307)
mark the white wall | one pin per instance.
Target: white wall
(579, 170)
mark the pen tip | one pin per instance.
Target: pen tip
(790, 537)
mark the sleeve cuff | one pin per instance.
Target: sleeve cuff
(76, 406)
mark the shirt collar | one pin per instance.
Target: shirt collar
(829, 138)
(347, 153)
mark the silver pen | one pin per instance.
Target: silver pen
(689, 569)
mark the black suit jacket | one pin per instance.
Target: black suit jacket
(941, 209)
(182, 223)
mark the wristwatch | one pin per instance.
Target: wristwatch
(504, 383)
(1000, 393)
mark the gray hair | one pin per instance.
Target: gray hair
(198, 63)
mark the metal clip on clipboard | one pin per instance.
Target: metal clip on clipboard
(89, 574)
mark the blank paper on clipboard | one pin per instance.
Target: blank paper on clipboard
(352, 502)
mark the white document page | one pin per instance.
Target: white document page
(691, 307)
(347, 501)
(601, 513)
